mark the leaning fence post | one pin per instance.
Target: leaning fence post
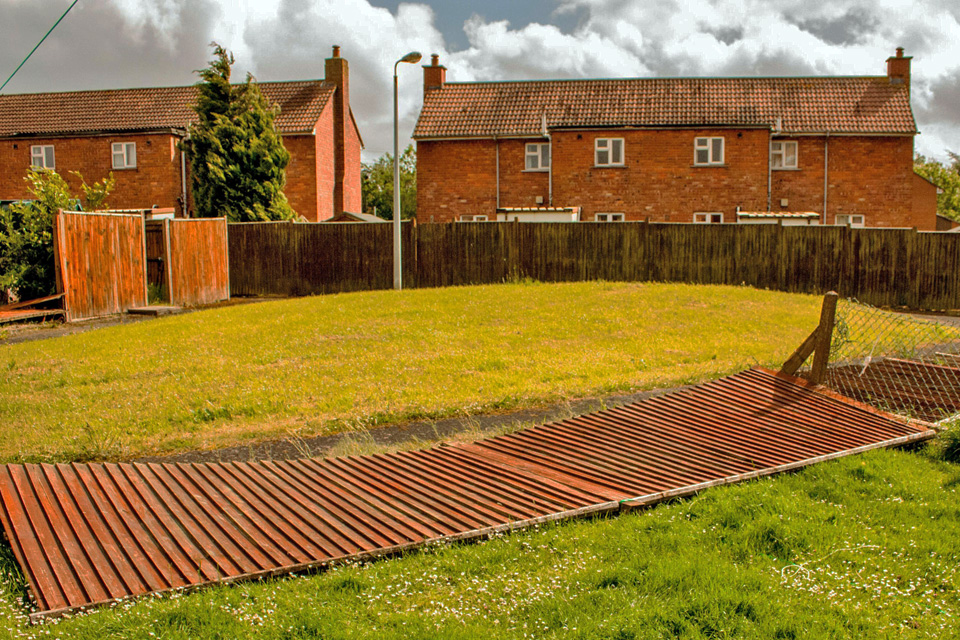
(821, 355)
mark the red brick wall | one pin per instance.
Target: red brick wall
(325, 168)
(455, 178)
(519, 187)
(658, 179)
(867, 175)
(873, 176)
(156, 180)
(925, 202)
(301, 187)
(352, 195)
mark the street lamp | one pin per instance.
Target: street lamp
(413, 57)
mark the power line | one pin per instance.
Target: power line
(38, 44)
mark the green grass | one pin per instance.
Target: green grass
(863, 547)
(311, 366)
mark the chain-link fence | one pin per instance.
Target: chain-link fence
(897, 362)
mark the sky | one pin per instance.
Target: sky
(106, 44)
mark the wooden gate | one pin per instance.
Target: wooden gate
(100, 262)
(187, 260)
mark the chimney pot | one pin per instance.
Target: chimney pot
(435, 60)
(899, 52)
(336, 51)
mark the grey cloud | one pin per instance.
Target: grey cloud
(852, 27)
(96, 46)
(943, 105)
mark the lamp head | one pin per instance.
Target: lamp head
(413, 57)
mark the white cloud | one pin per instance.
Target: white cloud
(106, 43)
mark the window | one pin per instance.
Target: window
(608, 217)
(476, 218)
(537, 156)
(608, 152)
(851, 220)
(783, 155)
(708, 151)
(124, 155)
(41, 155)
(708, 218)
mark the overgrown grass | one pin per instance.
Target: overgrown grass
(334, 363)
(864, 547)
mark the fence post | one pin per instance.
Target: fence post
(821, 356)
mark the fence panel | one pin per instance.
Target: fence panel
(198, 269)
(292, 259)
(877, 266)
(101, 263)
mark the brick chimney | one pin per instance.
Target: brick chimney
(898, 68)
(434, 74)
(337, 71)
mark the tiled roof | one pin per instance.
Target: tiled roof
(301, 103)
(802, 105)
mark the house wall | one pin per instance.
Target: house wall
(456, 178)
(302, 185)
(156, 180)
(352, 194)
(925, 201)
(871, 176)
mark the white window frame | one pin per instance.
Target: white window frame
(609, 146)
(779, 156)
(608, 217)
(536, 156)
(43, 156)
(126, 152)
(706, 143)
(473, 218)
(852, 220)
(708, 217)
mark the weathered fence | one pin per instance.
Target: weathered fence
(879, 266)
(293, 259)
(100, 263)
(197, 262)
(187, 260)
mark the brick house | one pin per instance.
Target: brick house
(825, 150)
(134, 134)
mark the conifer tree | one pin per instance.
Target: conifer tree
(237, 157)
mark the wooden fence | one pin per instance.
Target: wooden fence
(187, 260)
(100, 263)
(895, 267)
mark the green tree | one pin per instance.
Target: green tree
(377, 185)
(947, 177)
(237, 157)
(26, 231)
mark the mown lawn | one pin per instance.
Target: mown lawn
(311, 366)
(863, 547)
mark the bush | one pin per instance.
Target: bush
(26, 231)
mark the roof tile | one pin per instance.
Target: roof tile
(301, 103)
(802, 105)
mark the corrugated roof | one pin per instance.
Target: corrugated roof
(301, 103)
(802, 105)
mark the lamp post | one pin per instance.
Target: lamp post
(413, 57)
